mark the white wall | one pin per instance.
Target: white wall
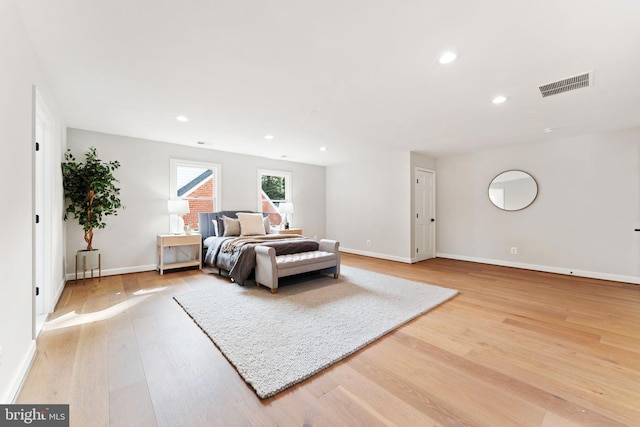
(128, 242)
(583, 220)
(370, 200)
(19, 71)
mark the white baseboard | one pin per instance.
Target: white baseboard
(56, 297)
(11, 393)
(114, 271)
(376, 255)
(547, 269)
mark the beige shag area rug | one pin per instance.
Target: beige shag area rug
(276, 341)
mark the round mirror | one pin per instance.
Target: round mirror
(513, 190)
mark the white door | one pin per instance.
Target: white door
(425, 214)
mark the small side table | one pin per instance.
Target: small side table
(291, 231)
(169, 240)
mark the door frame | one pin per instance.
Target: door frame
(44, 208)
(433, 206)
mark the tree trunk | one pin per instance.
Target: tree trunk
(88, 235)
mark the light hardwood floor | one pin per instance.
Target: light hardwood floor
(514, 348)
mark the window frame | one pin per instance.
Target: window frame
(288, 186)
(216, 168)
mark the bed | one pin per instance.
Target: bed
(233, 254)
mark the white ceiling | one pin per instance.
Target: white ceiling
(351, 75)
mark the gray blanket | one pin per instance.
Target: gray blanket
(239, 242)
(240, 263)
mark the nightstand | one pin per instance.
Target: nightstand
(291, 231)
(171, 240)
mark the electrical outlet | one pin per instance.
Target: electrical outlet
(368, 242)
(514, 250)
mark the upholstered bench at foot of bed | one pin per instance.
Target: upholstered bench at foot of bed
(270, 267)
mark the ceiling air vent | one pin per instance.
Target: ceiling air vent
(571, 83)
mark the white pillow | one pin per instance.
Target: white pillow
(231, 226)
(251, 224)
(267, 224)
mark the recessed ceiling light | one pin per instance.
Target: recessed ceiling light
(182, 118)
(549, 130)
(323, 148)
(499, 99)
(447, 57)
(269, 136)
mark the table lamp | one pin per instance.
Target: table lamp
(177, 208)
(286, 209)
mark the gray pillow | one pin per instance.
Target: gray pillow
(231, 226)
(220, 227)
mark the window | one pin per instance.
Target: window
(274, 187)
(198, 183)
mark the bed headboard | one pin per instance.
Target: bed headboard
(205, 221)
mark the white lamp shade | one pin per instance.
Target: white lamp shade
(285, 208)
(178, 207)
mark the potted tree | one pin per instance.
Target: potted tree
(91, 190)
